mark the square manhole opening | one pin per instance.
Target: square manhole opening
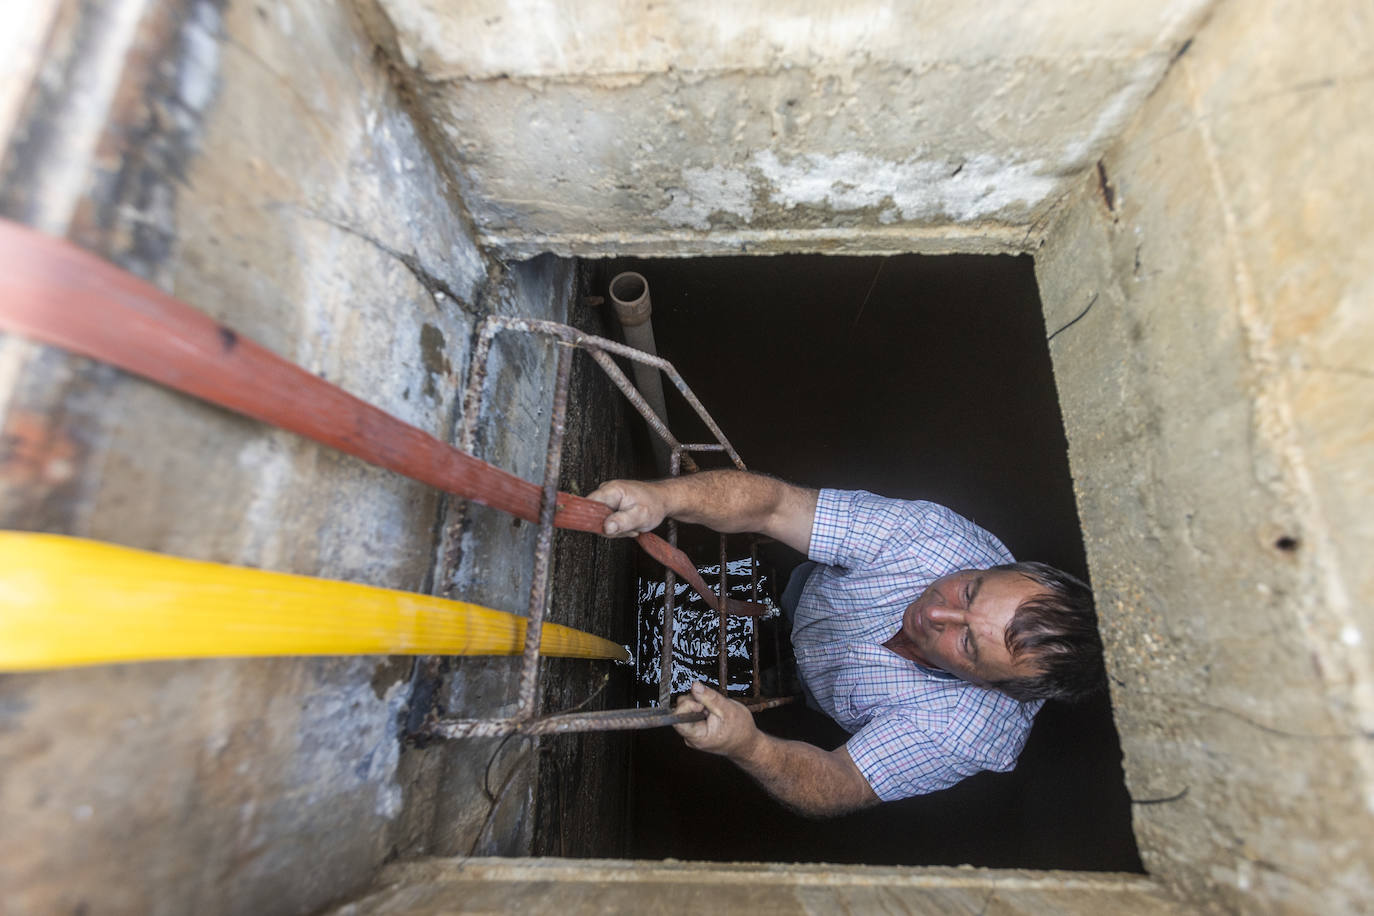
(914, 377)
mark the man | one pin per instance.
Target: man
(914, 631)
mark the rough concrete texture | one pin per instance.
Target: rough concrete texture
(1216, 399)
(690, 128)
(256, 160)
(1211, 280)
(558, 886)
(488, 800)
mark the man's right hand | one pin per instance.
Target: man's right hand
(637, 506)
(726, 500)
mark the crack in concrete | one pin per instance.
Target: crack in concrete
(1313, 85)
(1040, 224)
(438, 288)
(1073, 321)
(1163, 799)
(1338, 370)
(1282, 732)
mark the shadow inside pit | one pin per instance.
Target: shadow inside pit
(914, 377)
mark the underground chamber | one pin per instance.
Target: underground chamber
(917, 377)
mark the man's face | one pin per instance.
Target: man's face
(959, 624)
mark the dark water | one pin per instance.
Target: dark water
(914, 377)
(696, 633)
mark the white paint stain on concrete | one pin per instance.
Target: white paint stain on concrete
(200, 63)
(917, 188)
(349, 741)
(268, 459)
(718, 189)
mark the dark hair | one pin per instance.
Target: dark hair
(1057, 630)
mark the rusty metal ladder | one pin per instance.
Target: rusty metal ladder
(527, 719)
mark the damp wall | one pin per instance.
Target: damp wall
(1216, 393)
(258, 161)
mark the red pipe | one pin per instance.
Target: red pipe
(56, 293)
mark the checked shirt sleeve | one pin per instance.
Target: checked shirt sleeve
(900, 761)
(853, 527)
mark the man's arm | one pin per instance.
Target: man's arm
(803, 777)
(727, 501)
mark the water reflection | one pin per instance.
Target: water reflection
(696, 638)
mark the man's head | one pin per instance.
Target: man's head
(1026, 629)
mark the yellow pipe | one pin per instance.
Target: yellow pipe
(67, 601)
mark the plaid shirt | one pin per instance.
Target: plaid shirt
(916, 730)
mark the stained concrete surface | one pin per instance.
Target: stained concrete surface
(916, 377)
(258, 161)
(1213, 397)
(691, 127)
(1216, 402)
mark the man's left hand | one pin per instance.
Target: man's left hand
(728, 728)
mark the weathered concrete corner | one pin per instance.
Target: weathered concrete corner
(1215, 397)
(695, 128)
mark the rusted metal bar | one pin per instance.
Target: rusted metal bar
(477, 377)
(523, 720)
(724, 592)
(539, 585)
(646, 411)
(665, 677)
(665, 684)
(754, 596)
(579, 339)
(599, 348)
(603, 720)
(467, 441)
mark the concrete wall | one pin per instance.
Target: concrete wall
(257, 160)
(708, 126)
(1216, 397)
(260, 161)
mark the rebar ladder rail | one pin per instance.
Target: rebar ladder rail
(526, 719)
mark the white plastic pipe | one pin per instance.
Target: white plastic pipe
(630, 296)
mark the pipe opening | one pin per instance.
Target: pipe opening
(628, 288)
